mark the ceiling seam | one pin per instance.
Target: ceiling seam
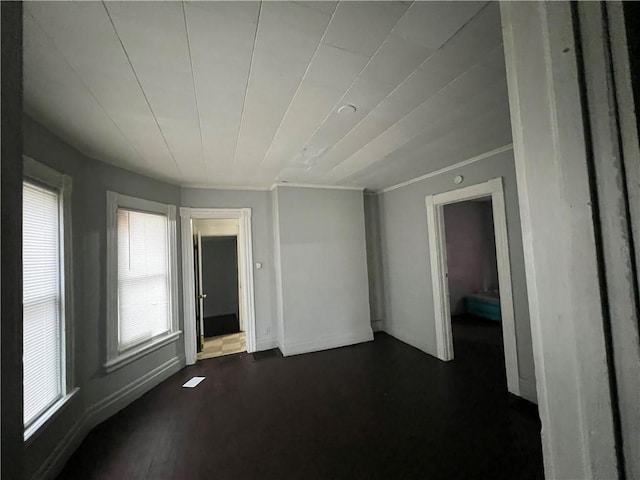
(79, 77)
(246, 88)
(407, 78)
(384, 161)
(438, 92)
(144, 94)
(306, 71)
(354, 82)
(195, 91)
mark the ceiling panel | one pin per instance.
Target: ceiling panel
(287, 38)
(469, 87)
(221, 37)
(431, 24)
(84, 37)
(86, 112)
(151, 31)
(435, 74)
(247, 93)
(334, 67)
(485, 132)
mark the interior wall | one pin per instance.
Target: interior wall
(262, 241)
(406, 272)
(324, 288)
(220, 276)
(100, 394)
(471, 252)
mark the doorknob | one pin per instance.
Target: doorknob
(202, 296)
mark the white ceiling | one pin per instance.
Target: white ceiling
(247, 93)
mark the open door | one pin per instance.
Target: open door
(199, 292)
(197, 275)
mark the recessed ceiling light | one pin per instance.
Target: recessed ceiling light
(347, 109)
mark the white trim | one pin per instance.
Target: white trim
(33, 431)
(310, 185)
(98, 412)
(438, 258)
(528, 390)
(277, 258)
(38, 172)
(463, 163)
(225, 187)
(266, 344)
(115, 358)
(132, 355)
(245, 273)
(326, 342)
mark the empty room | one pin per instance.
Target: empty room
(320, 240)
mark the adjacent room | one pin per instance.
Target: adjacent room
(472, 281)
(220, 330)
(288, 240)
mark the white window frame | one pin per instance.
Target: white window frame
(41, 174)
(116, 358)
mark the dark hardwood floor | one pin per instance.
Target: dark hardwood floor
(380, 410)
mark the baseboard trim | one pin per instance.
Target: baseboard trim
(528, 390)
(105, 408)
(53, 464)
(297, 347)
(266, 344)
(100, 411)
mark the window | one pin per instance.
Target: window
(47, 307)
(142, 305)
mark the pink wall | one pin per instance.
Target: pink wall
(471, 255)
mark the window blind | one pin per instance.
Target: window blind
(143, 277)
(42, 313)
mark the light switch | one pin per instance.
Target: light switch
(258, 265)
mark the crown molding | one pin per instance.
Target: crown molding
(463, 163)
(309, 185)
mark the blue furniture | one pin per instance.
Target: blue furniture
(485, 305)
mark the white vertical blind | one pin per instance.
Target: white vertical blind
(143, 277)
(43, 323)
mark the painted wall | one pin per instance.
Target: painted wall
(471, 252)
(262, 241)
(100, 393)
(325, 297)
(220, 276)
(406, 272)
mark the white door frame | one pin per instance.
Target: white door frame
(245, 273)
(438, 256)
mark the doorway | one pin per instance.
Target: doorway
(216, 274)
(435, 204)
(210, 230)
(474, 294)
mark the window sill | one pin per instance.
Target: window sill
(139, 352)
(33, 430)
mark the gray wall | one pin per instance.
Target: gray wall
(408, 296)
(220, 275)
(91, 179)
(262, 241)
(324, 269)
(471, 252)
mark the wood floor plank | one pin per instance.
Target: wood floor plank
(379, 410)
